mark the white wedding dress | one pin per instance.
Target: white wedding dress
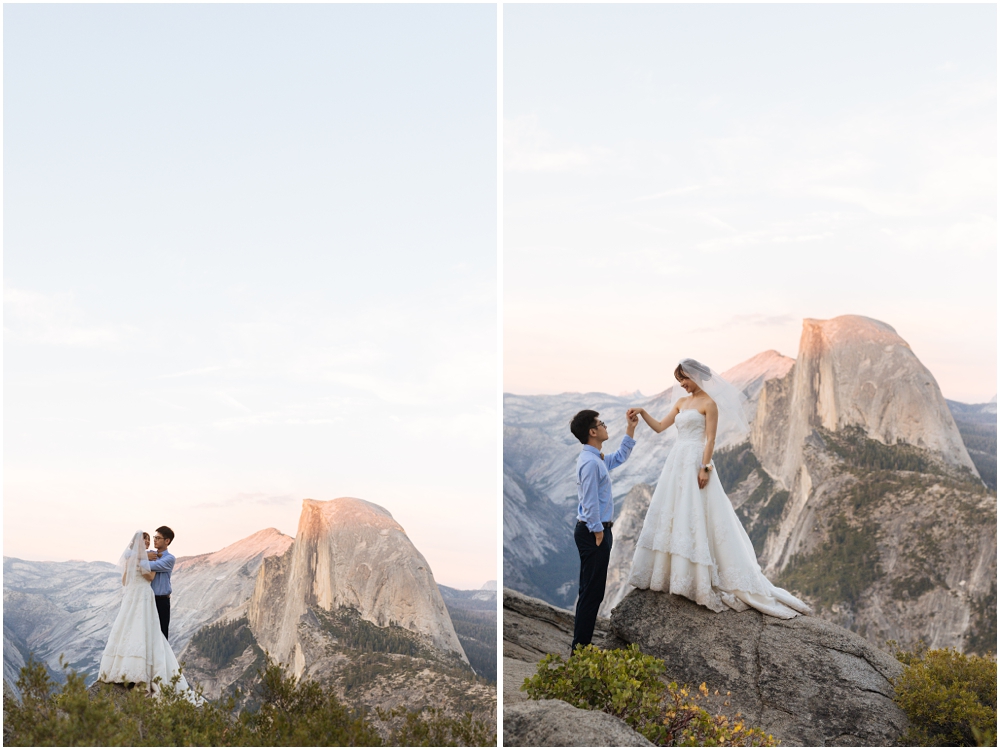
(137, 650)
(692, 542)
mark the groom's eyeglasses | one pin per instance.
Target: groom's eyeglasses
(599, 424)
(157, 537)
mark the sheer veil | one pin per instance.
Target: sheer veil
(730, 399)
(134, 561)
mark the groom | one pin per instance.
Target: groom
(595, 514)
(161, 562)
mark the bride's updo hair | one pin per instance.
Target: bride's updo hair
(698, 371)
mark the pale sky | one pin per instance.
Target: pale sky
(250, 258)
(694, 180)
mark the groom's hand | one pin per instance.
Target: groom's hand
(598, 537)
(153, 555)
(632, 416)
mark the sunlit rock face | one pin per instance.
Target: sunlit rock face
(347, 553)
(218, 584)
(853, 371)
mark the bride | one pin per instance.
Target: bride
(137, 650)
(691, 542)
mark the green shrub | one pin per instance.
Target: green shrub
(282, 711)
(623, 682)
(299, 712)
(432, 728)
(626, 683)
(72, 715)
(949, 698)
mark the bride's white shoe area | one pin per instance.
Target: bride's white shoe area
(692, 542)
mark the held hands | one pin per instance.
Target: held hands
(632, 416)
(153, 555)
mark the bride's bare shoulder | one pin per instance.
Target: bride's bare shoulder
(705, 405)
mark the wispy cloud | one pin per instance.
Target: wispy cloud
(760, 320)
(230, 401)
(197, 371)
(249, 498)
(54, 320)
(529, 148)
(668, 193)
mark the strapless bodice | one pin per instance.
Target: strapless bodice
(690, 426)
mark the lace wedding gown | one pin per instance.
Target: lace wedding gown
(137, 651)
(692, 542)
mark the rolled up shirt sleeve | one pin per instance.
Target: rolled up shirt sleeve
(589, 502)
(621, 455)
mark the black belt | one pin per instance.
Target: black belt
(161, 596)
(607, 524)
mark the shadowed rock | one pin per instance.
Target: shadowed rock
(806, 681)
(533, 628)
(550, 723)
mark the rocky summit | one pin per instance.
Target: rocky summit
(353, 605)
(348, 554)
(806, 681)
(853, 372)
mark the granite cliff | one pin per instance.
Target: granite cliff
(853, 372)
(348, 553)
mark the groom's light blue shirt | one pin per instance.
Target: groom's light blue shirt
(593, 484)
(163, 568)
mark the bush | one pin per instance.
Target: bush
(432, 728)
(626, 683)
(106, 715)
(300, 712)
(949, 698)
(282, 712)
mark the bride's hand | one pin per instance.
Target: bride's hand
(702, 478)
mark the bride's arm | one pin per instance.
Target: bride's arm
(711, 427)
(149, 576)
(659, 426)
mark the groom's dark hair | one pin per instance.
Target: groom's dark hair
(167, 533)
(581, 424)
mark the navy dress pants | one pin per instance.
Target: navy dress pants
(593, 578)
(163, 610)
